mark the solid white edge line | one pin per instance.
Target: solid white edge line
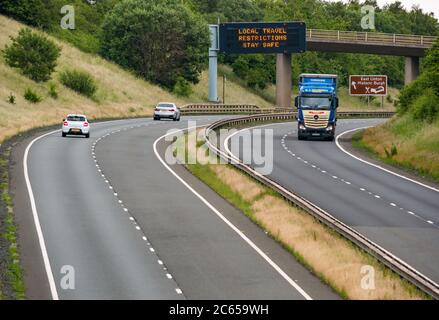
(42, 243)
(232, 226)
(337, 141)
(226, 141)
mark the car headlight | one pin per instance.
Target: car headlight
(302, 127)
(330, 128)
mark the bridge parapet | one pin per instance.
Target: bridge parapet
(403, 40)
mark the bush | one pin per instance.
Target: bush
(79, 81)
(52, 91)
(426, 106)
(182, 88)
(11, 98)
(34, 54)
(32, 96)
(161, 40)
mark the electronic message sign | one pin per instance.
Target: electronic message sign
(263, 37)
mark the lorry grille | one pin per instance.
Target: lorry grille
(316, 120)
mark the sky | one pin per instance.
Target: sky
(426, 5)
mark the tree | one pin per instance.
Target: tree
(32, 12)
(34, 54)
(422, 95)
(161, 40)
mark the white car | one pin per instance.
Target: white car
(167, 110)
(76, 124)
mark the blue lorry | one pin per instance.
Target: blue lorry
(317, 105)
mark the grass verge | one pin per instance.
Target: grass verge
(404, 143)
(334, 259)
(11, 273)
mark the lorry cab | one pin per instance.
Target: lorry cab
(317, 105)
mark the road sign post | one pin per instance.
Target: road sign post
(213, 63)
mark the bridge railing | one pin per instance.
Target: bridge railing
(370, 37)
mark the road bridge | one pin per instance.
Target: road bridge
(412, 47)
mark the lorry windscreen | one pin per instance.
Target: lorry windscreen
(322, 103)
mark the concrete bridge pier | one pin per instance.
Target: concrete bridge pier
(284, 81)
(411, 69)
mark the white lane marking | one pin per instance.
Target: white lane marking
(231, 225)
(179, 291)
(226, 143)
(337, 141)
(42, 243)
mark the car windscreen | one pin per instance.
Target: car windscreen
(316, 103)
(76, 119)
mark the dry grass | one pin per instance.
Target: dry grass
(328, 254)
(336, 260)
(417, 144)
(235, 93)
(246, 188)
(120, 93)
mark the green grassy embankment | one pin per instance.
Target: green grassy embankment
(406, 143)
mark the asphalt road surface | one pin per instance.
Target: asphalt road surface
(112, 213)
(399, 215)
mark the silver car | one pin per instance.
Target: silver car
(167, 110)
(76, 124)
